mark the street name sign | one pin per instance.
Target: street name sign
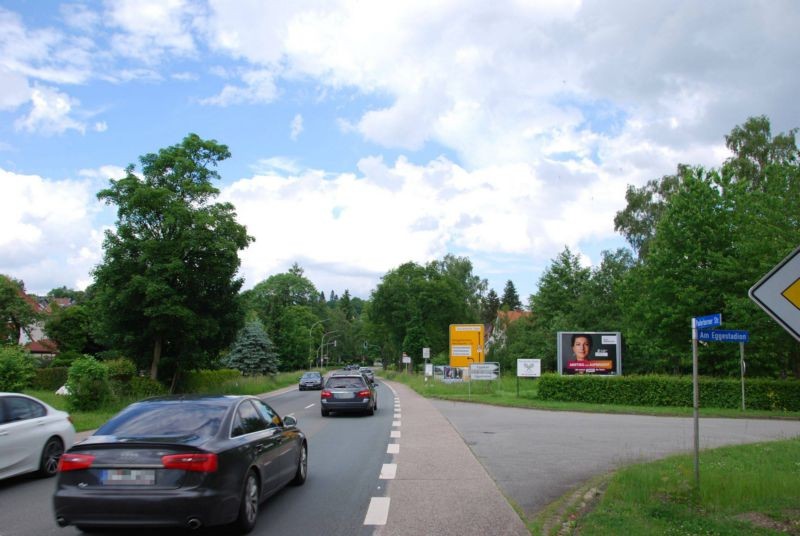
(778, 293)
(708, 321)
(723, 335)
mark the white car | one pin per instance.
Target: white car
(33, 435)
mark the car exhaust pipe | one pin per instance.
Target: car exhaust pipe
(62, 522)
(194, 523)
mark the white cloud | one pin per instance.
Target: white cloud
(259, 87)
(51, 113)
(49, 238)
(296, 127)
(14, 90)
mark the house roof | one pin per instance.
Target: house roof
(43, 346)
(512, 316)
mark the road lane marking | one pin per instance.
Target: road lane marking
(378, 511)
(310, 406)
(395, 433)
(397, 416)
(393, 448)
(388, 471)
(396, 423)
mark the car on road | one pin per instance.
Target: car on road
(180, 461)
(311, 380)
(33, 435)
(348, 392)
(366, 371)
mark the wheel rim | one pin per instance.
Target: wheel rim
(52, 454)
(303, 462)
(251, 499)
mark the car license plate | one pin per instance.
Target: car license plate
(128, 477)
(345, 394)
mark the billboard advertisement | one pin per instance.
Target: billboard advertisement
(598, 353)
(466, 344)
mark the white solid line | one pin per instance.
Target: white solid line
(388, 471)
(395, 423)
(378, 511)
(310, 406)
(395, 433)
(393, 448)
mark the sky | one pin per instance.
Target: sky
(368, 134)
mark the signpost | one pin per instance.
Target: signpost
(778, 293)
(698, 323)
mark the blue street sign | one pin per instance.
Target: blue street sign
(708, 321)
(723, 335)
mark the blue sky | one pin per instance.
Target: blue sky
(368, 134)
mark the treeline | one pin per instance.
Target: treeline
(167, 294)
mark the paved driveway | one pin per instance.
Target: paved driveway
(537, 456)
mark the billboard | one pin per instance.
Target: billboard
(598, 353)
(466, 344)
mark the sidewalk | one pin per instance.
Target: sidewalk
(440, 487)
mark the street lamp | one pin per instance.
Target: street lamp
(322, 344)
(310, 342)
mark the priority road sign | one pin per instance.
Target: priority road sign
(778, 293)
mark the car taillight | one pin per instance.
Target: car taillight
(363, 394)
(325, 394)
(199, 462)
(74, 462)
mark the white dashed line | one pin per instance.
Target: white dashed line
(395, 433)
(388, 471)
(393, 448)
(310, 406)
(378, 511)
(396, 423)
(397, 416)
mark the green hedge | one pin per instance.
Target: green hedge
(50, 379)
(203, 381)
(773, 395)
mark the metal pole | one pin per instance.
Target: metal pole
(696, 389)
(743, 366)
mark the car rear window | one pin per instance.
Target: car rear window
(166, 419)
(345, 382)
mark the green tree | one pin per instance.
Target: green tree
(490, 305)
(17, 370)
(17, 313)
(510, 299)
(167, 285)
(77, 296)
(69, 327)
(253, 353)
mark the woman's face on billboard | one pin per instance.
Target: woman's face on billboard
(581, 348)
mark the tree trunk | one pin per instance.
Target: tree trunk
(156, 358)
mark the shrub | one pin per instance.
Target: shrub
(141, 387)
(87, 381)
(204, 381)
(65, 359)
(17, 369)
(50, 379)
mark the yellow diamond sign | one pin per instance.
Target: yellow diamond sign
(778, 293)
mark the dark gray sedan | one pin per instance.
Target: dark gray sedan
(348, 392)
(180, 462)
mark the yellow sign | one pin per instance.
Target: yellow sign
(466, 344)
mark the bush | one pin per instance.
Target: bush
(87, 381)
(657, 390)
(141, 387)
(50, 379)
(65, 359)
(17, 369)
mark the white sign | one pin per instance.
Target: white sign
(462, 350)
(529, 368)
(778, 293)
(484, 371)
(428, 369)
(426, 353)
(406, 358)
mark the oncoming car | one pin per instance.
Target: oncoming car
(310, 380)
(348, 392)
(33, 435)
(208, 460)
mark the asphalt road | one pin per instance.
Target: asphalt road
(536, 456)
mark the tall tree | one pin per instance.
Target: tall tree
(510, 297)
(168, 284)
(490, 305)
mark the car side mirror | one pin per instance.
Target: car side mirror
(289, 421)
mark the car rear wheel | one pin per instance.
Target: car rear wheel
(302, 467)
(371, 410)
(325, 412)
(248, 507)
(51, 453)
